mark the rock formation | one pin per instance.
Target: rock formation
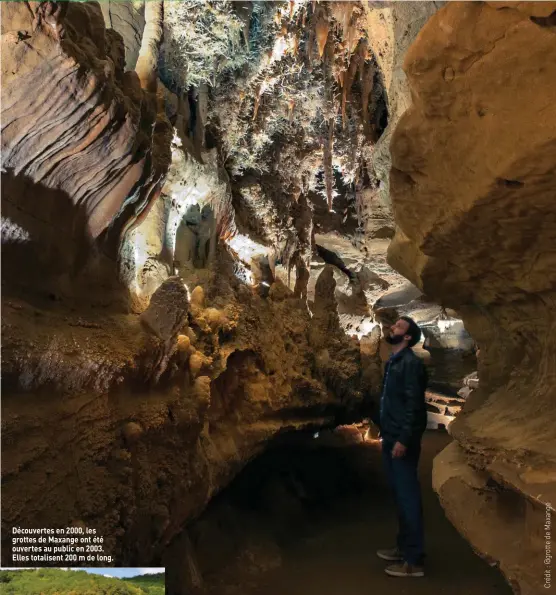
(196, 213)
(125, 187)
(83, 147)
(473, 168)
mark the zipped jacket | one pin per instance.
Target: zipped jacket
(403, 413)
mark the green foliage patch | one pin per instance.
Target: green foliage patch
(54, 581)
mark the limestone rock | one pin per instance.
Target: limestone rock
(128, 19)
(471, 185)
(191, 334)
(196, 362)
(184, 343)
(168, 309)
(392, 28)
(132, 432)
(198, 297)
(215, 318)
(78, 139)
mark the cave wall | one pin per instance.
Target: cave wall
(81, 143)
(149, 417)
(100, 171)
(472, 175)
(392, 28)
(127, 17)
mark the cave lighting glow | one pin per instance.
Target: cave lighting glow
(249, 276)
(140, 255)
(242, 273)
(183, 194)
(368, 438)
(365, 328)
(443, 325)
(247, 251)
(246, 248)
(12, 233)
(280, 47)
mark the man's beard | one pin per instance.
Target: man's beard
(394, 339)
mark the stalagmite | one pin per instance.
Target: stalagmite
(327, 163)
(322, 29)
(147, 62)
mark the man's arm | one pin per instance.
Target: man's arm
(415, 384)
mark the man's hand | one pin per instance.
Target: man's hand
(398, 451)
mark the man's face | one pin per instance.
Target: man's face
(398, 332)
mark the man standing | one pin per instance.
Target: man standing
(403, 419)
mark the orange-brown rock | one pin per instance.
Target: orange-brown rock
(85, 436)
(82, 147)
(472, 192)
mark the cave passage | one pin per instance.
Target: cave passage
(308, 515)
(212, 212)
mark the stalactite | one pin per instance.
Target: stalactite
(352, 38)
(310, 43)
(366, 90)
(322, 28)
(295, 44)
(257, 103)
(342, 13)
(348, 82)
(340, 74)
(327, 162)
(303, 18)
(363, 51)
(147, 62)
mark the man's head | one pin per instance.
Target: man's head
(404, 330)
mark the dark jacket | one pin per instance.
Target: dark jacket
(403, 413)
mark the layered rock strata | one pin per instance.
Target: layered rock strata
(84, 148)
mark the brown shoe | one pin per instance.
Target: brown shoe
(405, 569)
(391, 555)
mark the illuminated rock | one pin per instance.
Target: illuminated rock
(471, 184)
(167, 309)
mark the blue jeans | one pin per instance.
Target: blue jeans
(404, 481)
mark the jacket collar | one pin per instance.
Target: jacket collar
(396, 356)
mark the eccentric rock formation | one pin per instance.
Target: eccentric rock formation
(80, 140)
(472, 179)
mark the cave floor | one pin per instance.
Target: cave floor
(338, 557)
